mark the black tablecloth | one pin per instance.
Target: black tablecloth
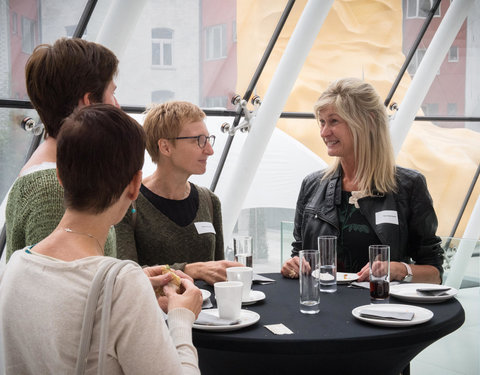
(330, 342)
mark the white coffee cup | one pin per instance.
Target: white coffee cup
(228, 295)
(243, 274)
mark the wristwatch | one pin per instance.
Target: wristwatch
(409, 276)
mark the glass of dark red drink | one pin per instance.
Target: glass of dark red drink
(379, 257)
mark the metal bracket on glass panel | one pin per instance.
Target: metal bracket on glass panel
(29, 125)
(394, 108)
(241, 107)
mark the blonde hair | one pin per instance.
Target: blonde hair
(166, 120)
(361, 107)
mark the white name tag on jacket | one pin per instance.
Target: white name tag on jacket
(204, 227)
(386, 217)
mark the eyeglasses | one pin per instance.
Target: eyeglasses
(201, 140)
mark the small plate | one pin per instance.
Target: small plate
(421, 315)
(247, 318)
(408, 292)
(205, 294)
(345, 278)
(255, 296)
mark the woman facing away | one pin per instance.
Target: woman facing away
(44, 288)
(175, 221)
(363, 198)
(70, 73)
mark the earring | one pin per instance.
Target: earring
(133, 210)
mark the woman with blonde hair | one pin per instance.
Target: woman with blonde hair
(364, 198)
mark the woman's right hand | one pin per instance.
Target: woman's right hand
(291, 267)
(190, 299)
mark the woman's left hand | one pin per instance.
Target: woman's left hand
(364, 273)
(395, 272)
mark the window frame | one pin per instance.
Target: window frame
(28, 36)
(417, 10)
(161, 42)
(211, 50)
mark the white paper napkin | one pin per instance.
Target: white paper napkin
(259, 279)
(279, 329)
(208, 319)
(387, 315)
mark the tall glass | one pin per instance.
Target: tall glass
(379, 260)
(327, 245)
(308, 279)
(242, 250)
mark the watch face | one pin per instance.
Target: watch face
(407, 278)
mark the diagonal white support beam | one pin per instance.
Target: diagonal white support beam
(119, 24)
(297, 50)
(465, 249)
(426, 72)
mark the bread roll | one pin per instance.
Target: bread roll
(176, 282)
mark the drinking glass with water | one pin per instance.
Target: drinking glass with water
(242, 250)
(327, 245)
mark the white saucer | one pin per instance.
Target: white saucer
(421, 315)
(247, 318)
(205, 294)
(408, 292)
(345, 278)
(255, 296)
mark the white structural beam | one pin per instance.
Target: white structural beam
(295, 54)
(465, 249)
(119, 24)
(427, 70)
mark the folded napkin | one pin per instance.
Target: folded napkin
(207, 304)
(259, 279)
(207, 319)
(433, 291)
(387, 315)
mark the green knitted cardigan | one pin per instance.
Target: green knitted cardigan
(34, 209)
(149, 237)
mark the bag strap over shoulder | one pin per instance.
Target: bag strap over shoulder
(104, 278)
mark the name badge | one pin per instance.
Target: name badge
(386, 217)
(204, 227)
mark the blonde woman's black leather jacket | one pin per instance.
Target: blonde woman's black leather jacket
(412, 238)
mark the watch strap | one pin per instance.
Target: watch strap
(409, 275)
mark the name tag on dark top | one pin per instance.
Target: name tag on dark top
(204, 227)
(386, 217)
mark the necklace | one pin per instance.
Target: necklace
(68, 230)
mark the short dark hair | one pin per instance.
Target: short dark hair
(57, 76)
(99, 150)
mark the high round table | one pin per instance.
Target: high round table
(330, 342)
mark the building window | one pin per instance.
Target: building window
(453, 54)
(234, 31)
(416, 60)
(28, 35)
(162, 96)
(162, 47)
(420, 8)
(216, 42)
(430, 109)
(452, 109)
(14, 23)
(216, 102)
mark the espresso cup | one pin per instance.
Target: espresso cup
(243, 274)
(228, 295)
